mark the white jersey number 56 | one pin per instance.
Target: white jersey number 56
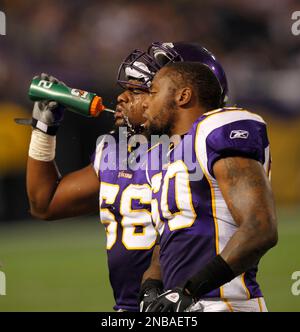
(131, 219)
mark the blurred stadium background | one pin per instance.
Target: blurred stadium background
(62, 265)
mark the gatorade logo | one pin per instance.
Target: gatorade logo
(2, 24)
(79, 93)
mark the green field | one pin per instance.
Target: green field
(62, 266)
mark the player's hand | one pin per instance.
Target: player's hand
(149, 292)
(173, 300)
(47, 115)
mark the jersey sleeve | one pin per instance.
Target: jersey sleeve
(239, 133)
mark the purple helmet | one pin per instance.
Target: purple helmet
(142, 66)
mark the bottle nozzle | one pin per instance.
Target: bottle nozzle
(96, 106)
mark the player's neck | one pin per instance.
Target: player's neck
(185, 120)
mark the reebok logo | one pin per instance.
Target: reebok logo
(239, 134)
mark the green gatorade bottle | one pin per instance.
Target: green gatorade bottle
(76, 100)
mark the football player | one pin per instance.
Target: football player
(215, 225)
(124, 194)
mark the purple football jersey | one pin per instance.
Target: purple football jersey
(188, 208)
(125, 211)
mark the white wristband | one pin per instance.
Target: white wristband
(42, 146)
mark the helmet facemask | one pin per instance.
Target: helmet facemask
(138, 66)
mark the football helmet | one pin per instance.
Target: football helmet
(142, 66)
(138, 66)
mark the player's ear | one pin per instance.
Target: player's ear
(184, 96)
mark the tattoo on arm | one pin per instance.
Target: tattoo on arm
(248, 195)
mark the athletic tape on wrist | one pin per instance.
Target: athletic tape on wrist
(42, 146)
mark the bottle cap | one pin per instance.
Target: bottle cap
(96, 106)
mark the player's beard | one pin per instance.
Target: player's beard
(164, 124)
